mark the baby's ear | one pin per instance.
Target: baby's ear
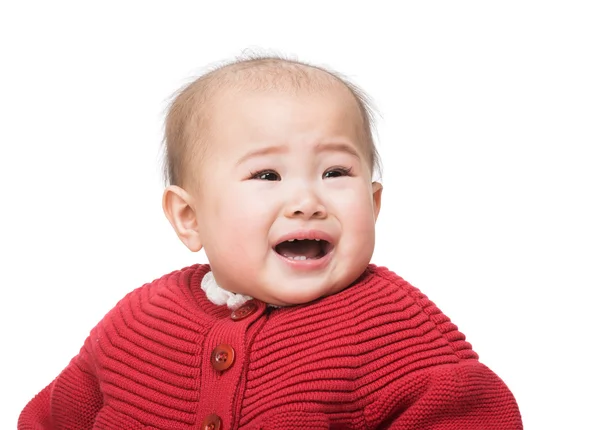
(179, 209)
(377, 190)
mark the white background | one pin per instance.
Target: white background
(489, 134)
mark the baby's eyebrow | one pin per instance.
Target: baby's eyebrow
(267, 150)
(337, 147)
(320, 147)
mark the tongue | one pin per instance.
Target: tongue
(298, 248)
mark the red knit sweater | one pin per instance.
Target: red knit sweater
(376, 355)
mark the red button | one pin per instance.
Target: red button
(222, 357)
(211, 422)
(244, 311)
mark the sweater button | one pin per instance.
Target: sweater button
(244, 311)
(222, 357)
(211, 422)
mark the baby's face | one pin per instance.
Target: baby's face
(284, 201)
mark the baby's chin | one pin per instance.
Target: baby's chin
(295, 295)
(279, 288)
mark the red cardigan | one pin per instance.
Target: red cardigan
(376, 355)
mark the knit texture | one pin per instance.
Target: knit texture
(377, 355)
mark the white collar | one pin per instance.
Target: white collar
(219, 296)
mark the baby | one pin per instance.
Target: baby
(270, 165)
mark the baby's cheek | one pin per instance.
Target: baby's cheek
(244, 204)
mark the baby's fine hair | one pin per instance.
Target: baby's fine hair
(189, 112)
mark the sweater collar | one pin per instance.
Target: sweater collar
(219, 296)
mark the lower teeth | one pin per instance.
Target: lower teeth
(299, 257)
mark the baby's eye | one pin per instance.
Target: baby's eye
(266, 175)
(337, 172)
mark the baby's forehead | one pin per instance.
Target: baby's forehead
(189, 125)
(267, 114)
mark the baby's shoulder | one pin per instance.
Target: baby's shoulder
(165, 307)
(178, 287)
(379, 280)
(389, 298)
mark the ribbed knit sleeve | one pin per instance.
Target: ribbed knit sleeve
(464, 396)
(71, 401)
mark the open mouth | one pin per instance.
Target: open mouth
(303, 249)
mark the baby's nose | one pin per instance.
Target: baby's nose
(309, 214)
(307, 206)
